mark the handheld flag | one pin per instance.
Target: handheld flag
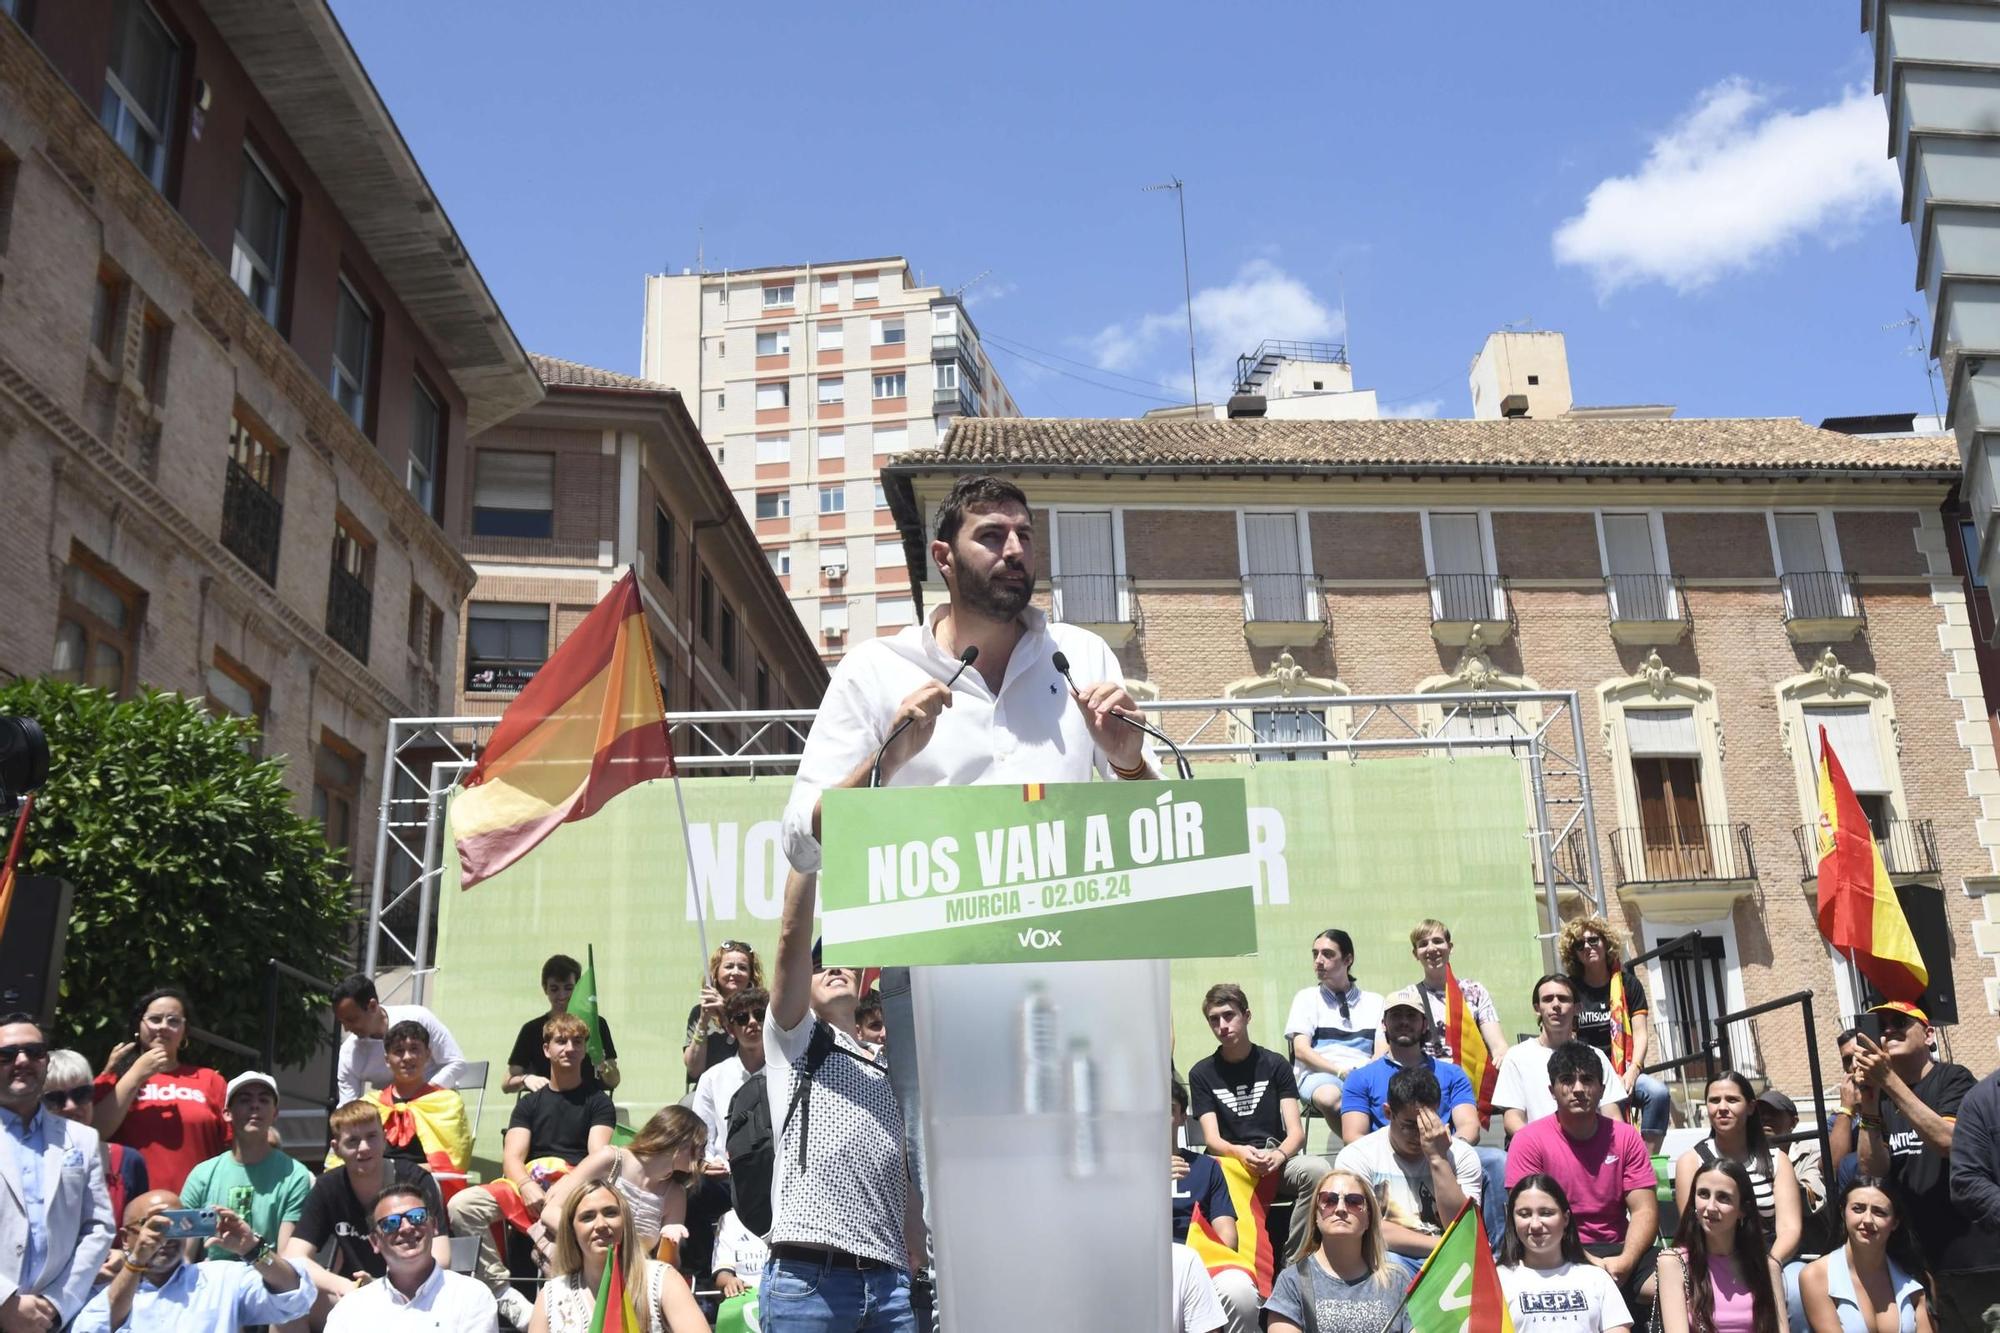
(1254, 1253)
(1858, 910)
(615, 1312)
(1469, 1050)
(7, 875)
(588, 726)
(583, 1003)
(738, 1314)
(1458, 1288)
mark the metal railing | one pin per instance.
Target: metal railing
(1094, 599)
(1717, 1051)
(1691, 852)
(252, 521)
(1457, 598)
(1821, 594)
(349, 609)
(1648, 598)
(1253, 368)
(1909, 847)
(1291, 598)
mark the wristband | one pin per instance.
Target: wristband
(131, 1267)
(1847, 1111)
(1131, 774)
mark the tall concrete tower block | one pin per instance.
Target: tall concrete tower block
(1521, 375)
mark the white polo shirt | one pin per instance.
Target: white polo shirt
(1030, 730)
(447, 1302)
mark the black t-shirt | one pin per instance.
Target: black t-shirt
(559, 1123)
(1244, 1095)
(1945, 1236)
(1593, 1009)
(527, 1054)
(720, 1045)
(332, 1212)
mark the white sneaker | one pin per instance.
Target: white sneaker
(515, 1309)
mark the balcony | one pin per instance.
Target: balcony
(953, 400)
(1100, 602)
(1647, 608)
(1464, 605)
(252, 519)
(1283, 610)
(1694, 873)
(349, 609)
(1909, 848)
(1821, 605)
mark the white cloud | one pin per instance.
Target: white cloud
(1262, 301)
(1421, 409)
(1731, 184)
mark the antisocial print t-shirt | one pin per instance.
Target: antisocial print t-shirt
(1569, 1298)
(1593, 1009)
(1244, 1095)
(1949, 1239)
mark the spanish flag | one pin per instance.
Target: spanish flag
(7, 876)
(588, 726)
(615, 1312)
(1468, 1045)
(1251, 1197)
(1858, 911)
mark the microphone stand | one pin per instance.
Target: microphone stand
(1061, 663)
(965, 659)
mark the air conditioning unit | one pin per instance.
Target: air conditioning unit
(835, 633)
(834, 571)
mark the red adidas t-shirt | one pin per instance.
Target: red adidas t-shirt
(175, 1122)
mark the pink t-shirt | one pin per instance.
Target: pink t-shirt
(1595, 1173)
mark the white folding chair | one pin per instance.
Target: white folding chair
(464, 1253)
(472, 1078)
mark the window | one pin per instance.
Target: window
(1282, 726)
(10, 180)
(833, 389)
(1666, 777)
(886, 332)
(1801, 545)
(728, 644)
(777, 294)
(1534, 379)
(707, 607)
(891, 439)
(234, 691)
(944, 321)
(833, 444)
(337, 771)
(947, 374)
(1850, 729)
(892, 385)
(774, 448)
(830, 336)
(833, 619)
(353, 346)
(774, 342)
(1275, 568)
(426, 446)
(832, 499)
(424, 635)
(1635, 568)
(888, 555)
(895, 611)
(663, 544)
(138, 105)
(513, 494)
(350, 597)
(762, 696)
(776, 394)
(721, 401)
(97, 626)
(107, 315)
(505, 644)
(774, 504)
(867, 286)
(1809, 573)
(1087, 576)
(252, 515)
(829, 291)
(781, 560)
(1968, 540)
(256, 263)
(1462, 583)
(155, 334)
(881, 497)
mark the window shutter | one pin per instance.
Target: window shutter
(1799, 546)
(514, 481)
(1851, 729)
(1628, 544)
(1661, 732)
(1455, 544)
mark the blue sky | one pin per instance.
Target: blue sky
(1696, 195)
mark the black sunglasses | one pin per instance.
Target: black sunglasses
(61, 1097)
(34, 1050)
(745, 1020)
(393, 1223)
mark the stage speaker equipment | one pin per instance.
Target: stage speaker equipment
(1923, 906)
(31, 950)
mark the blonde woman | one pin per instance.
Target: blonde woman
(733, 966)
(595, 1227)
(1342, 1267)
(1612, 1015)
(652, 1174)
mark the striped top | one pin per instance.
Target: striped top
(1763, 1187)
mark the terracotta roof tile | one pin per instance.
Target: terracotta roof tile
(557, 373)
(1642, 446)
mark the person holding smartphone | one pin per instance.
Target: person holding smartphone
(156, 1289)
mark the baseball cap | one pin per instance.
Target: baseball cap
(1779, 1102)
(244, 1080)
(1406, 998)
(1903, 1007)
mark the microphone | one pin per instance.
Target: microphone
(1180, 760)
(965, 659)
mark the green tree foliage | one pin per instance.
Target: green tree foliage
(190, 867)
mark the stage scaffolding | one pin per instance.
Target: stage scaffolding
(1543, 729)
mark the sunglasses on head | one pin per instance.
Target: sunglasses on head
(34, 1050)
(393, 1223)
(1332, 1199)
(737, 946)
(58, 1098)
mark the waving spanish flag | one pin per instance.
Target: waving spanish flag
(1468, 1045)
(1858, 911)
(1251, 1196)
(615, 1311)
(588, 726)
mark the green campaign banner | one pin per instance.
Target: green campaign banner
(1066, 872)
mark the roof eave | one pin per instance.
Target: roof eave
(911, 465)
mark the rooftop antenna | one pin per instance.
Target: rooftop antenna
(1916, 348)
(1346, 339)
(958, 294)
(1179, 187)
(1521, 325)
(700, 249)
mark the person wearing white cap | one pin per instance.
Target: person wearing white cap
(267, 1188)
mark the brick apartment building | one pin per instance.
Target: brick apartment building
(241, 349)
(604, 473)
(1713, 590)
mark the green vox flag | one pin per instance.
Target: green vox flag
(1068, 872)
(1458, 1288)
(583, 1003)
(738, 1314)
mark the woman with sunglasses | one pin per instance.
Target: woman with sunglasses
(1735, 1132)
(1612, 1014)
(1875, 1273)
(1720, 1276)
(1549, 1282)
(596, 1229)
(652, 1175)
(1342, 1267)
(69, 1093)
(733, 967)
(151, 1100)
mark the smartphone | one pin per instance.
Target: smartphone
(1871, 1025)
(189, 1223)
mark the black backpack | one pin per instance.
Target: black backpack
(752, 1146)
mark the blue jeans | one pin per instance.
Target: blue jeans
(1493, 1197)
(1655, 1103)
(802, 1296)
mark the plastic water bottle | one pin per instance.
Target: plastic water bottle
(1041, 1065)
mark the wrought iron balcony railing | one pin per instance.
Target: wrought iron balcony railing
(1821, 595)
(1094, 599)
(349, 609)
(1291, 598)
(252, 521)
(1466, 598)
(1650, 598)
(1690, 853)
(1909, 847)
